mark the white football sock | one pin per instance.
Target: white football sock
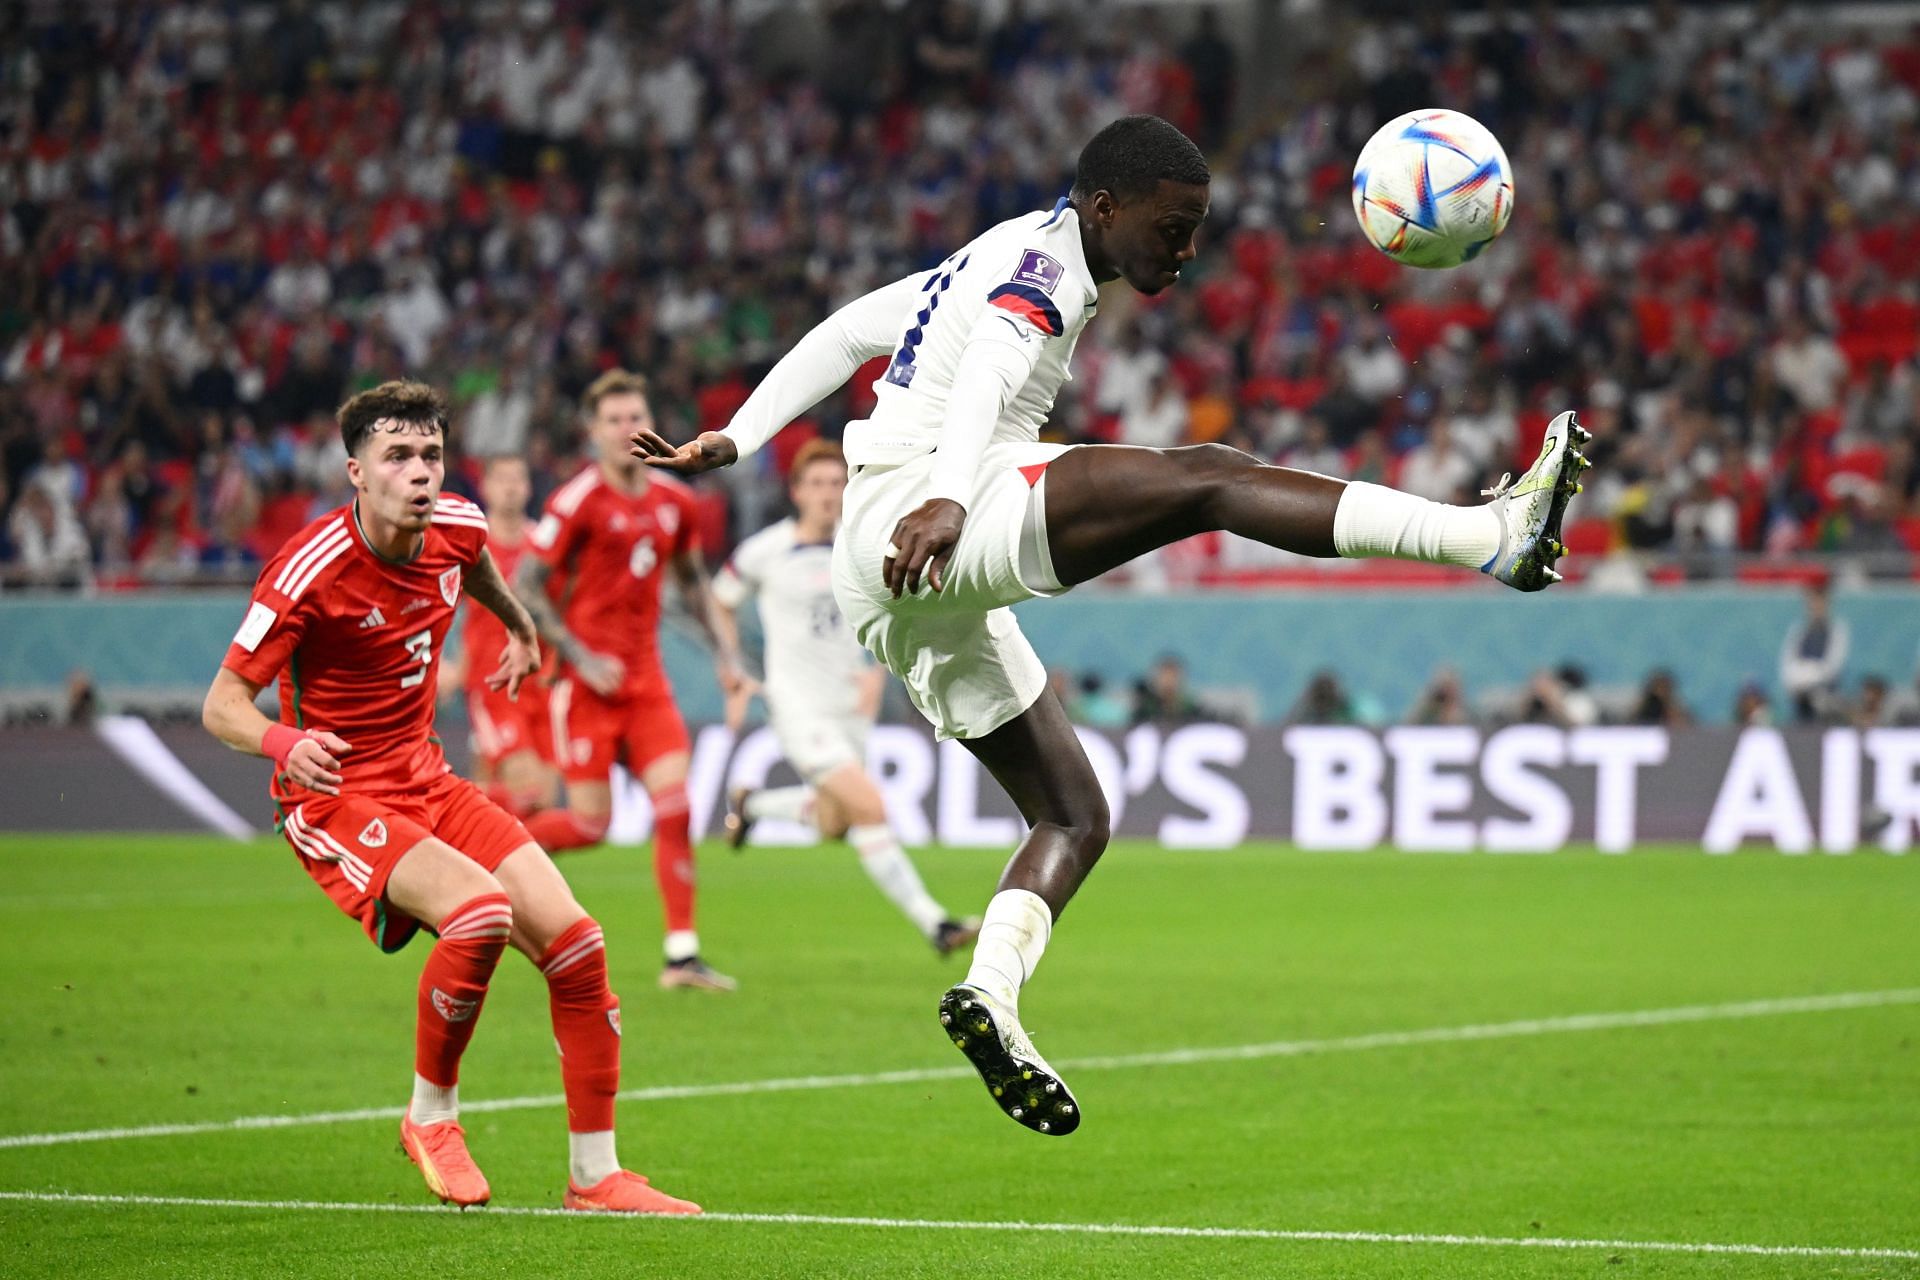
(795, 804)
(682, 944)
(1013, 933)
(591, 1158)
(1373, 520)
(432, 1103)
(888, 866)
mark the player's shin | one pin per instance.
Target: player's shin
(673, 868)
(1373, 520)
(789, 804)
(888, 866)
(1013, 934)
(453, 985)
(586, 1028)
(558, 830)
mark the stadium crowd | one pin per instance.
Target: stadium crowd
(219, 218)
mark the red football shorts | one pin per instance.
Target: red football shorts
(504, 726)
(590, 732)
(350, 843)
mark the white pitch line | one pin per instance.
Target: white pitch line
(947, 1224)
(1163, 1058)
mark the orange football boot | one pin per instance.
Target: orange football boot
(441, 1152)
(624, 1192)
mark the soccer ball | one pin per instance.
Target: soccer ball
(1432, 189)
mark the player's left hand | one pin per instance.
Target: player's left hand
(708, 451)
(520, 659)
(923, 542)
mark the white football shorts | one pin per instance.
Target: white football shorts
(959, 652)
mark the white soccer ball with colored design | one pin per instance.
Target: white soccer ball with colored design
(1432, 189)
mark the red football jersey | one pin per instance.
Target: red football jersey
(354, 640)
(609, 551)
(483, 637)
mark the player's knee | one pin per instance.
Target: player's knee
(1211, 469)
(1088, 820)
(483, 915)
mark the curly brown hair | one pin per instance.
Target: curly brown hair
(401, 400)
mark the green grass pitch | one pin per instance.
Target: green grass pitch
(154, 981)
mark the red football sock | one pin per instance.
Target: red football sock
(673, 855)
(586, 1025)
(557, 830)
(454, 983)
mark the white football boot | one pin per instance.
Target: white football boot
(1532, 507)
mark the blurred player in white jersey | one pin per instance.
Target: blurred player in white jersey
(956, 511)
(822, 691)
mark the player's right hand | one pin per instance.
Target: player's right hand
(708, 451)
(598, 672)
(923, 541)
(314, 762)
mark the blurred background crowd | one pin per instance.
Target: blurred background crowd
(218, 218)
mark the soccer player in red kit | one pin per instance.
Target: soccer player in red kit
(601, 551)
(349, 617)
(512, 741)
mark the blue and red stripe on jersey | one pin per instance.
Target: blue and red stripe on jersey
(1031, 305)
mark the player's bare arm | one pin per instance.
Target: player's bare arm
(690, 574)
(601, 673)
(310, 757)
(521, 657)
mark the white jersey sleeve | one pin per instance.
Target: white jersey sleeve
(821, 361)
(740, 578)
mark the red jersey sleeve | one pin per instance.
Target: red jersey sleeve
(275, 621)
(559, 532)
(464, 525)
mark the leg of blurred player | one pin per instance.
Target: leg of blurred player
(849, 806)
(665, 779)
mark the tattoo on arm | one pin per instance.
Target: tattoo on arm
(484, 583)
(532, 583)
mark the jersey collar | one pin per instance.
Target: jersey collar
(353, 509)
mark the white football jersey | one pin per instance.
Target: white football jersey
(813, 662)
(1024, 282)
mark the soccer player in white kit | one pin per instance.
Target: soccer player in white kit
(822, 692)
(956, 511)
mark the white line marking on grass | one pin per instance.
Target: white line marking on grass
(944, 1224)
(1163, 1058)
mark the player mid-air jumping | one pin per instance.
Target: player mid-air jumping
(822, 692)
(956, 511)
(349, 617)
(608, 539)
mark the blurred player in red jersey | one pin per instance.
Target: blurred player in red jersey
(607, 540)
(349, 617)
(512, 740)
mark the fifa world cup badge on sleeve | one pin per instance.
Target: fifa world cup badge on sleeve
(1040, 271)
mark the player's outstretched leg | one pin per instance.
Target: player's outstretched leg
(748, 805)
(1107, 506)
(1038, 759)
(567, 946)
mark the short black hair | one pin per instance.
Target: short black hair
(402, 400)
(1135, 154)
